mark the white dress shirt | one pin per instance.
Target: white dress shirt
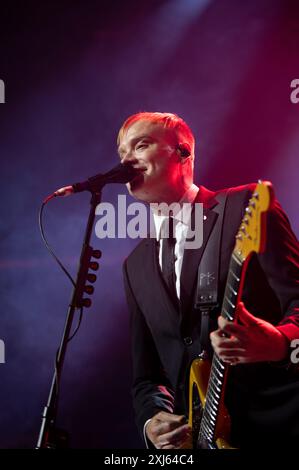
(180, 233)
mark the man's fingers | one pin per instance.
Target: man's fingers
(174, 438)
(165, 422)
(164, 426)
(220, 341)
(170, 417)
(231, 328)
(227, 353)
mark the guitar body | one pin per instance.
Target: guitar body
(198, 386)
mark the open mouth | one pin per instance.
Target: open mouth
(139, 176)
(139, 171)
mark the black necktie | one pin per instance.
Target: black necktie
(168, 257)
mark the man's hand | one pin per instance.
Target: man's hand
(249, 340)
(168, 431)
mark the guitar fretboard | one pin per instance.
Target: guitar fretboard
(218, 367)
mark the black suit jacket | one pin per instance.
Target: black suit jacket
(259, 396)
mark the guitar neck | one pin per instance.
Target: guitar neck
(233, 287)
(250, 238)
(215, 390)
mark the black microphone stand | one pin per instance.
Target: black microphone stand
(51, 437)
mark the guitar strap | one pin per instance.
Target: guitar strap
(207, 290)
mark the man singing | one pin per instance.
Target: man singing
(262, 393)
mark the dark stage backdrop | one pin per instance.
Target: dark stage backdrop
(73, 71)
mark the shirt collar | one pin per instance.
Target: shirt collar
(188, 197)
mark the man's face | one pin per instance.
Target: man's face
(151, 148)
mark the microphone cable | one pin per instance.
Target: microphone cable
(66, 272)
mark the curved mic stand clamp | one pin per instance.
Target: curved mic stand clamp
(51, 437)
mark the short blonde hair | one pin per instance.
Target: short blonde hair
(167, 120)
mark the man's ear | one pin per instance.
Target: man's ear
(184, 150)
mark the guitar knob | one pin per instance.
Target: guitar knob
(89, 290)
(96, 254)
(91, 277)
(86, 302)
(94, 265)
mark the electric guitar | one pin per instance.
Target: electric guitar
(208, 417)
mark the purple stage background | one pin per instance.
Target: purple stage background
(73, 72)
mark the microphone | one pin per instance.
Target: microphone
(121, 173)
